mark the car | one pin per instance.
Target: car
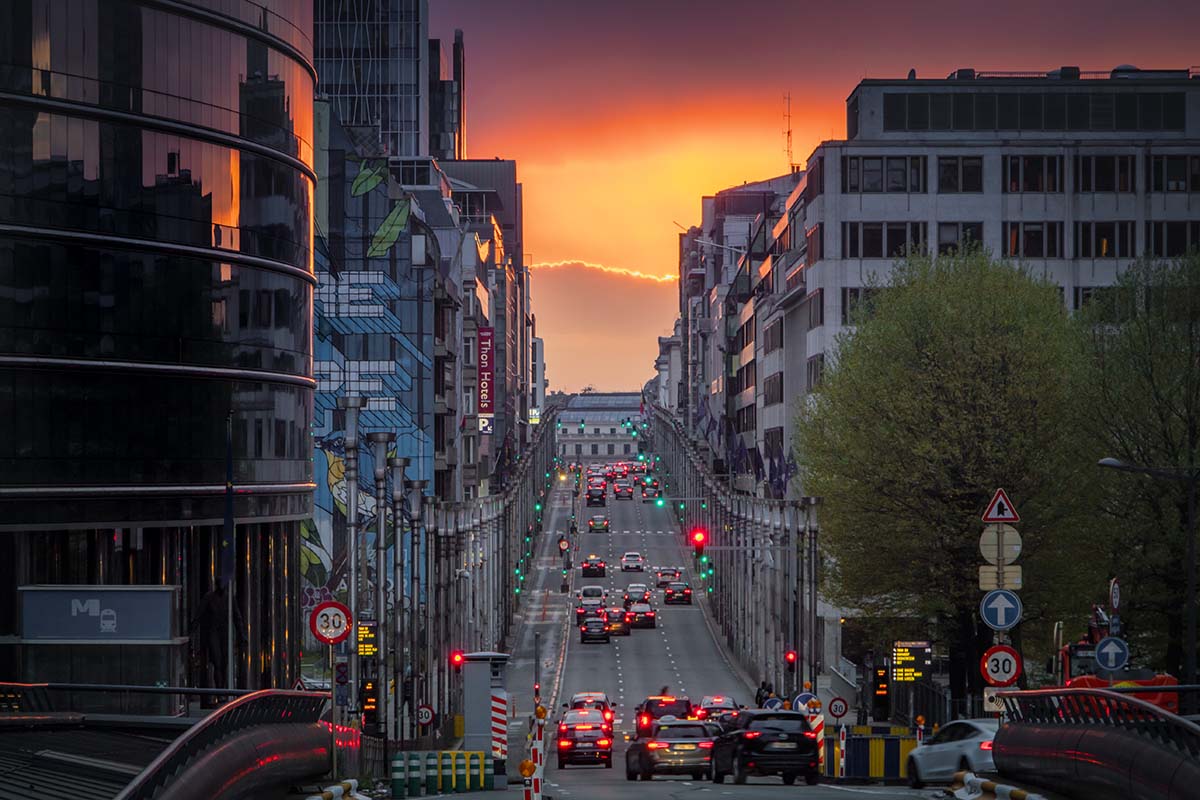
(594, 567)
(643, 616)
(593, 700)
(964, 744)
(650, 482)
(597, 593)
(767, 743)
(667, 576)
(622, 490)
(678, 592)
(649, 494)
(588, 608)
(675, 747)
(636, 593)
(584, 739)
(596, 496)
(660, 706)
(594, 629)
(598, 522)
(620, 621)
(714, 706)
(633, 562)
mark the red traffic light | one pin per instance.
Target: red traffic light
(457, 658)
(790, 656)
(699, 536)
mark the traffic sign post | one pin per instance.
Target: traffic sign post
(1001, 509)
(1001, 666)
(1112, 654)
(1000, 544)
(425, 714)
(1001, 609)
(838, 707)
(330, 622)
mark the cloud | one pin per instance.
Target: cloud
(629, 273)
(601, 326)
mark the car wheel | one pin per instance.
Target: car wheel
(811, 778)
(630, 775)
(647, 775)
(714, 773)
(697, 776)
(739, 774)
(562, 764)
(608, 763)
(789, 778)
(914, 775)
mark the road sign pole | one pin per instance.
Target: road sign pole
(333, 720)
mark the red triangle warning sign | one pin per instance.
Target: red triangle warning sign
(1001, 509)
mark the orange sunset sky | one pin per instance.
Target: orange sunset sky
(621, 114)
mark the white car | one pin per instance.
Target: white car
(633, 562)
(962, 745)
(597, 593)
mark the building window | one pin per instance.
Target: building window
(1173, 173)
(857, 303)
(895, 174)
(1033, 173)
(469, 351)
(1033, 239)
(960, 174)
(1104, 239)
(773, 336)
(612, 431)
(612, 449)
(814, 239)
(773, 389)
(816, 308)
(1121, 110)
(595, 449)
(1104, 173)
(578, 449)
(955, 235)
(627, 449)
(595, 431)
(1171, 239)
(815, 369)
(471, 445)
(882, 239)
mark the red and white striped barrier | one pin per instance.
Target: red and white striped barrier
(841, 751)
(816, 721)
(499, 724)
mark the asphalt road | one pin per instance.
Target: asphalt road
(680, 654)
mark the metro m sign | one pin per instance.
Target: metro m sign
(487, 371)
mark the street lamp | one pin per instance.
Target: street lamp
(1189, 475)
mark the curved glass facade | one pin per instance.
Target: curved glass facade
(156, 279)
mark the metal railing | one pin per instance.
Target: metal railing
(1102, 707)
(265, 707)
(16, 698)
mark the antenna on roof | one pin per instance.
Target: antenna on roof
(787, 131)
(912, 74)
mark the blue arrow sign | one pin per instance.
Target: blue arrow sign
(1000, 609)
(1112, 654)
(801, 701)
(773, 703)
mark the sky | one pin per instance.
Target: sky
(622, 114)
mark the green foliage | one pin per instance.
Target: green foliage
(389, 230)
(959, 378)
(1143, 399)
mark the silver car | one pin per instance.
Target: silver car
(963, 745)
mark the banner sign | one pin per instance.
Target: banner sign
(487, 371)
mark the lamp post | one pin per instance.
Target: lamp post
(351, 405)
(1189, 475)
(416, 491)
(396, 629)
(380, 440)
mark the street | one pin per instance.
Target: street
(680, 654)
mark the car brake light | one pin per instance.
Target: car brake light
(583, 727)
(583, 627)
(706, 745)
(604, 743)
(752, 734)
(608, 715)
(985, 745)
(564, 743)
(701, 714)
(649, 613)
(580, 609)
(810, 735)
(657, 745)
(562, 727)
(687, 591)
(644, 720)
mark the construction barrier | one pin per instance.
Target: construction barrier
(441, 772)
(873, 757)
(345, 789)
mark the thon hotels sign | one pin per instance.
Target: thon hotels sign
(487, 379)
(98, 613)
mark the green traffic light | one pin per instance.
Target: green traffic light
(659, 502)
(703, 559)
(537, 506)
(680, 505)
(704, 504)
(517, 571)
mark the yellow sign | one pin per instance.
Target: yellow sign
(527, 768)
(368, 640)
(540, 713)
(911, 661)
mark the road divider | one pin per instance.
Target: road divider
(416, 773)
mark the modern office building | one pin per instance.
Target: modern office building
(593, 427)
(537, 398)
(156, 288)
(373, 60)
(447, 99)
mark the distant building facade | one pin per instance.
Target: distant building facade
(593, 427)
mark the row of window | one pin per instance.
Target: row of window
(1034, 111)
(1019, 173)
(612, 450)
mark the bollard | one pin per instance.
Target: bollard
(489, 772)
(399, 775)
(414, 774)
(446, 772)
(433, 773)
(460, 771)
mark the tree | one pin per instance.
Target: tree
(1143, 339)
(958, 379)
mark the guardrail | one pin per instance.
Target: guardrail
(40, 697)
(265, 707)
(1097, 743)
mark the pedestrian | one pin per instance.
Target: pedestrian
(760, 694)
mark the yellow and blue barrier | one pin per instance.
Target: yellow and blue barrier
(872, 756)
(442, 771)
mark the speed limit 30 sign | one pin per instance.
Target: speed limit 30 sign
(1001, 666)
(838, 707)
(330, 622)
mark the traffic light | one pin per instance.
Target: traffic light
(659, 502)
(791, 658)
(699, 538)
(537, 506)
(457, 659)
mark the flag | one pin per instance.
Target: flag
(757, 460)
(642, 408)
(462, 422)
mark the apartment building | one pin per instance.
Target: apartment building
(594, 427)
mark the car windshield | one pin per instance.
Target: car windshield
(678, 587)
(637, 587)
(641, 608)
(676, 706)
(593, 591)
(781, 724)
(682, 732)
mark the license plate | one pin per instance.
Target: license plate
(781, 746)
(585, 746)
(684, 747)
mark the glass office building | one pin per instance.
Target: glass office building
(156, 290)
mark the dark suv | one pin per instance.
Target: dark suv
(596, 497)
(766, 743)
(657, 706)
(584, 738)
